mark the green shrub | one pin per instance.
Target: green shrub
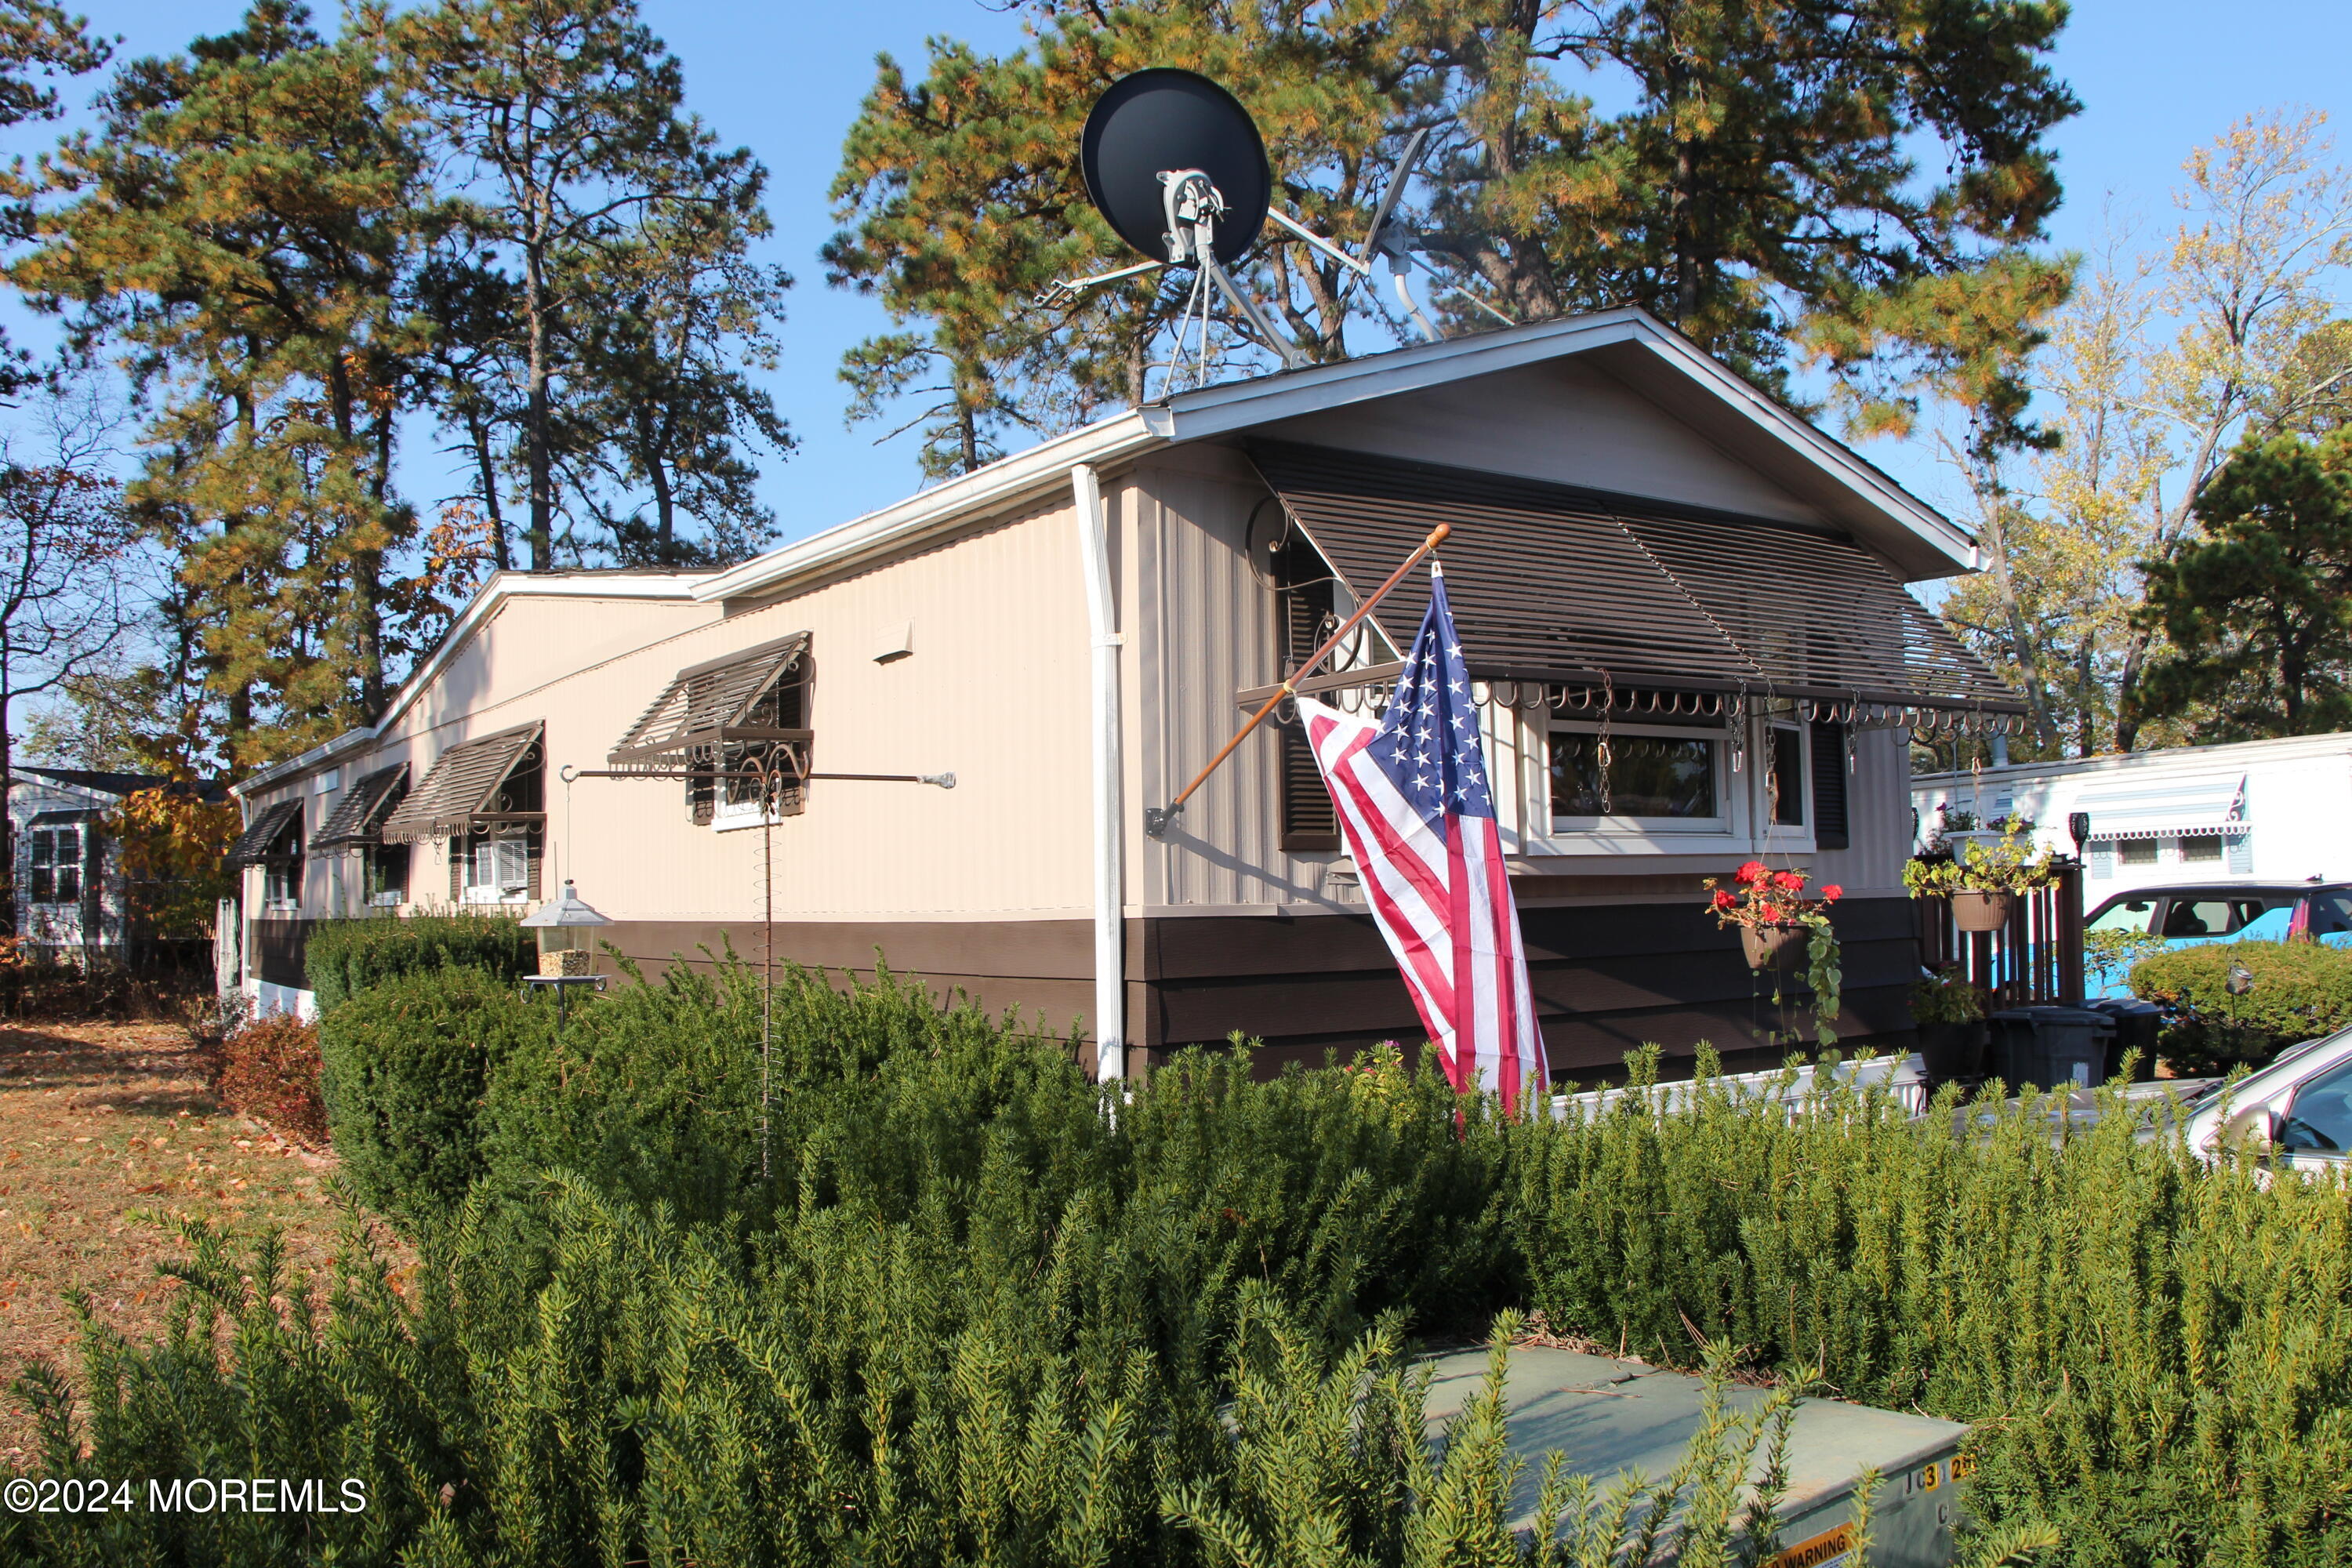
(979, 1311)
(2299, 990)
(342, 958)
(2157, 1357)
(405, 1064)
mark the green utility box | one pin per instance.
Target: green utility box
(1608, 1417)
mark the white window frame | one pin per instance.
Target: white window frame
(56, 863)
(1783, 835)
(1579, 834)
(1744, 827)
(502, 892)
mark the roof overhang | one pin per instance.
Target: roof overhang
(1649, 357)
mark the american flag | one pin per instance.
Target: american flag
(1419, 817)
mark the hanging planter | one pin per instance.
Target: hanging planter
(1975, 909)
(1774, 946)
(1982, 881)
(1784, 928)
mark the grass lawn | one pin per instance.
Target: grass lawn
(109, 1141)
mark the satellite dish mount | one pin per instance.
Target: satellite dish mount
(1176, 167)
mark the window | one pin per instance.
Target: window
(2136, 851)
(2131, 915)
(498, 870)
(723, 716)
(2331, 915)
(387, 873)
(2224, 917)
(782, 706)
(56, 865)
(1655, 775)
(1786, 781)
(2320, 1117)
(2201, 848)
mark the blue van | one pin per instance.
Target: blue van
(2195, 914)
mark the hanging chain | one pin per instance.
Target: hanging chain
(1602, 753)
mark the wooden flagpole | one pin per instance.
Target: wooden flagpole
(1155, 822)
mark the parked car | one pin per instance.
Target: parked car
(2296, 1111)
(2194, 914)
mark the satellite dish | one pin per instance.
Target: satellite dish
(1163, 121)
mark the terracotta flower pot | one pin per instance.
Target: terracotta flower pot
(1980, 912)
(1774, 947)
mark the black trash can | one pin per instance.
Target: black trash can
(2050, 1046)
(2137, 1023)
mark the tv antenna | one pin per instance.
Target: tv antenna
(1176, 167)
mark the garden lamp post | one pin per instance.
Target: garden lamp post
(2078, 827)
(562, 925)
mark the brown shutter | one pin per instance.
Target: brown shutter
(1830, 816)
(701, 795)
(537, 841)
(457, 871)
(1303, 599)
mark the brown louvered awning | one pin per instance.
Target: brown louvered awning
(359, 817)
(1549, 583)
(258, 842)
(456, 796)
(708, 705)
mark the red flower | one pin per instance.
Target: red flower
(1723, 899)
(1832, 893)
(1790, 882)
(1752, 872)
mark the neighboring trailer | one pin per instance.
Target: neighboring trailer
(2255, 811)
(1611, 1416)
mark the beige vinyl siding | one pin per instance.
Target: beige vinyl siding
(994, 691)
(1569, 422)
(1206, 631)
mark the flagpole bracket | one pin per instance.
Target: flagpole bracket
(1159, 820)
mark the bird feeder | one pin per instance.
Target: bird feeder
(562, 925)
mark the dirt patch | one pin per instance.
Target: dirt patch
(109, 1140)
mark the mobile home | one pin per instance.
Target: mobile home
(1683, 605)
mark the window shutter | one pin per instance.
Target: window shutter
(1302, 601)
(2103, 861)
(535, 848)
(458, 871)
(1831, 826)
(2241, 852)
(701, 795)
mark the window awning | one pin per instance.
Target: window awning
(2152, 810)
(359, 817)
(1557, 584)
(708, 705)
(260, 837)
(457, 795)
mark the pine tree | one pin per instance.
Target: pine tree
(572, 117)
(2259, 609)
(246, 220)
(1762, 189)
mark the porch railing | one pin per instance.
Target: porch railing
(2035, 957)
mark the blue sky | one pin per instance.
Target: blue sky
(2156, 77)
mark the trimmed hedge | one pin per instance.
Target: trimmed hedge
(343, 958)
(977, 1311)
(405, 1064)
(2300, 990)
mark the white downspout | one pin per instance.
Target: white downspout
(1110, 892)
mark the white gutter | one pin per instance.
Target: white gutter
(1110, 891)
